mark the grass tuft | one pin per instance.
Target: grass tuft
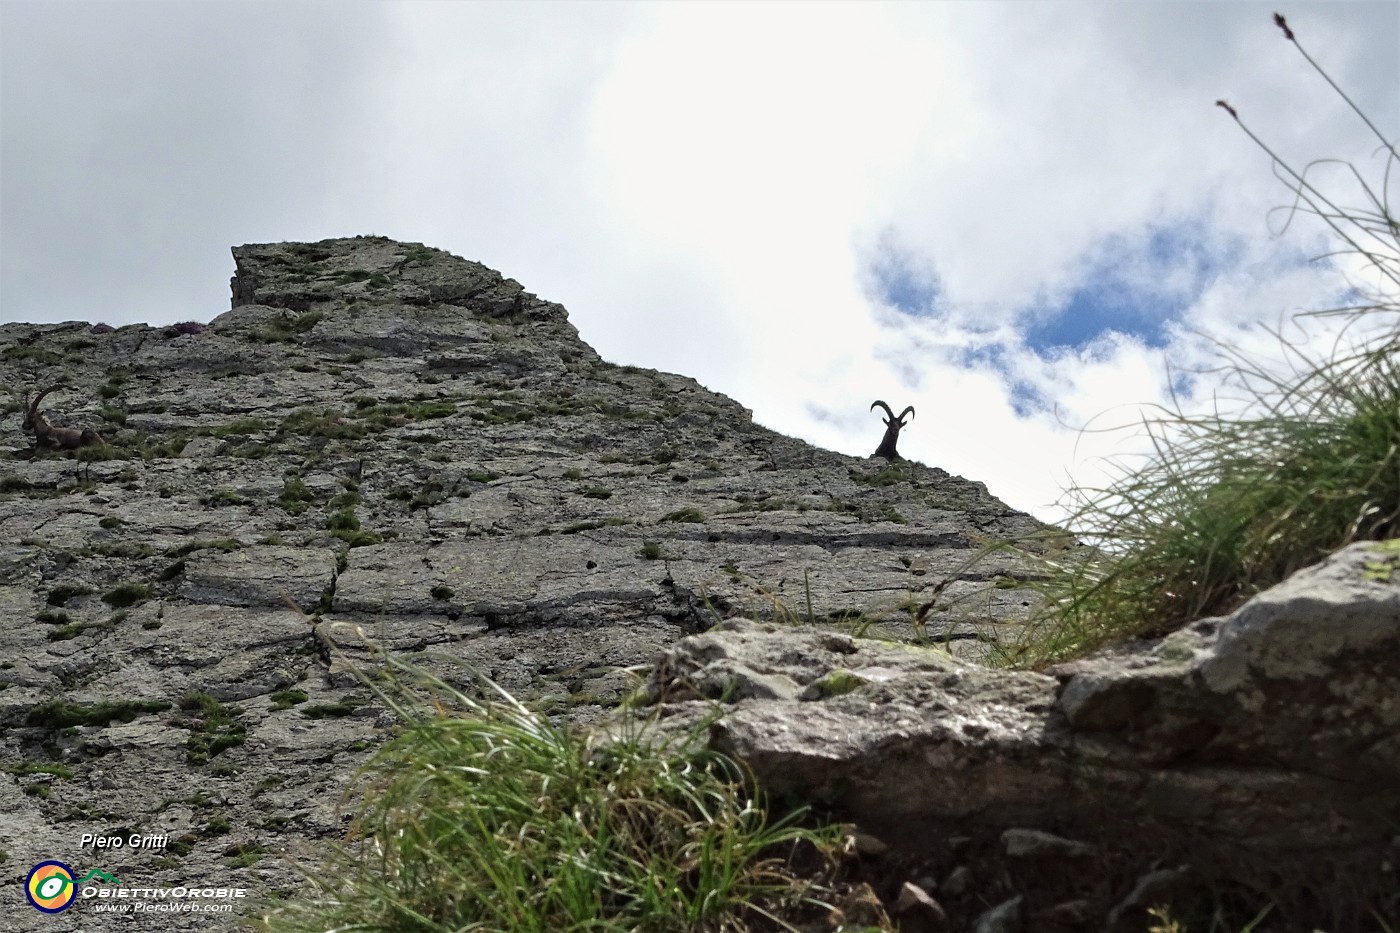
(494, 819)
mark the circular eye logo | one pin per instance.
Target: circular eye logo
(50, 887)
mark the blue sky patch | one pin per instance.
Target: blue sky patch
(1026, 399)
(1138, 286)
(900, 279)
(991, 355)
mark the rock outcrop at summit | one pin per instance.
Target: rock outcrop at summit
(381, 444)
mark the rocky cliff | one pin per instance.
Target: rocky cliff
(384, 443)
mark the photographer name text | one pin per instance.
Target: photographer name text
(134, 841)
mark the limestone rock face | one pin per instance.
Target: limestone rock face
(1260, 751)
(381, 444)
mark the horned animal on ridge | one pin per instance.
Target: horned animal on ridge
(46, 435)
(892, 426)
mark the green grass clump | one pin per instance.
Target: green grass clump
(287, 330)
(145, 449)
(295, 495)
(889, 476)
(237, 427)
(46, 357)
(375, 279)
(495, 819)
(327, 423)
(46, 767)
(213, 728)
(502, 416)
(243, 855)
(286, 699)
(357, 538)
(343, 520)
(344, 524)
(122, 549)
(221, 497)
(338, 710)
(253, 451)
(60, 714)
(124, 595)
(684, 515)
(71, 630)
(217, 544)
(398, 414)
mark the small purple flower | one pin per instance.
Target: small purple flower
(101, 329)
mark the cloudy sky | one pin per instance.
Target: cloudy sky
(1018, 217)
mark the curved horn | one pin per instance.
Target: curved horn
(34, 405)
(908, 411)
(884, 406)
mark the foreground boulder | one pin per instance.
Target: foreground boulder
(1241, 762)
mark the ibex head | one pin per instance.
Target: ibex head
(32, 418)
(892, 426)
